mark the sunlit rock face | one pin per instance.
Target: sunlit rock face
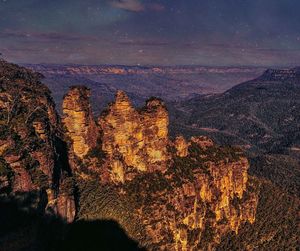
(78, 120)
(63, 205)
(181, 146)
(184, 195)
(29, 129)
(197, 200)
(167, 195)
(138, 137)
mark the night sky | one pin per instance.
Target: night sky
(165, 32)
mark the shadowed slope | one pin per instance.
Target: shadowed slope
(25, 228)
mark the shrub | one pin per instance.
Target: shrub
(39, 178)
(96, 153)
(4, 167)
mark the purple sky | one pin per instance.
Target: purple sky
(168, 32)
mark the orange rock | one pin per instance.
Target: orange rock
(78, 120)
(181, 146)
(139, 136)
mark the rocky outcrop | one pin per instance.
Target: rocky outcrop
(138, 137)
(167, 195)
(21, 181)
(196, 201)
(30, 132)
(78, 120)
(181, 146)
(62, 205)
(184, 194)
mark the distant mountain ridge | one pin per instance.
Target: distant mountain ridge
(171, 83)
(124, 69)
(261, 115)
(281, 74)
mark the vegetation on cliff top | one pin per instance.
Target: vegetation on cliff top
(276, 226)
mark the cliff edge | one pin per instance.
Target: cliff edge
(167, 194)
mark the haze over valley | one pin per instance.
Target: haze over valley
(171, 83)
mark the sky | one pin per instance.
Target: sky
(157, 32)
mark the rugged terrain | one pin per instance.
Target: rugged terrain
(182, 195)
(165, 194)
(140, 82)
(31, 138)
(262, 116)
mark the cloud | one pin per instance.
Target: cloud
(143, 42)
(136, 5)
(45, 36)
(130, 5)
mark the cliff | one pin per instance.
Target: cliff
(30, 136)
(138, 137)
(79, 121)
(197, 200)
(167, 194)
(180, 195)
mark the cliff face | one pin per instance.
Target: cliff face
(167, 195)
(130, 140)
(78, 120)
(29, 136)
(198, 199)
(183, 195)
(139, 138)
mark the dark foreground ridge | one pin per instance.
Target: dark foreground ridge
(27, 228)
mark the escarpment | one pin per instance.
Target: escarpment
(200, 197)
(30, 136)
(184, 195)
(167, 194)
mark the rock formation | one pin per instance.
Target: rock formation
(198, 199)
(30, 131)
(138, 137)
(183, 195)
(167, 195)
(78, 120)
(181, 146)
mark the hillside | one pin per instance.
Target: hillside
(32, 152)
(261, 115)
(276, 226)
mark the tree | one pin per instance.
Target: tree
(11, 106)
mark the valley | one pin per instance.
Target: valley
(213, 172)
(170, 83)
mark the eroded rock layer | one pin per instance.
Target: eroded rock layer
(139, 138)
(29, 140)
(201, 196)
(183, 195)
(78, 120)
(167, 195)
